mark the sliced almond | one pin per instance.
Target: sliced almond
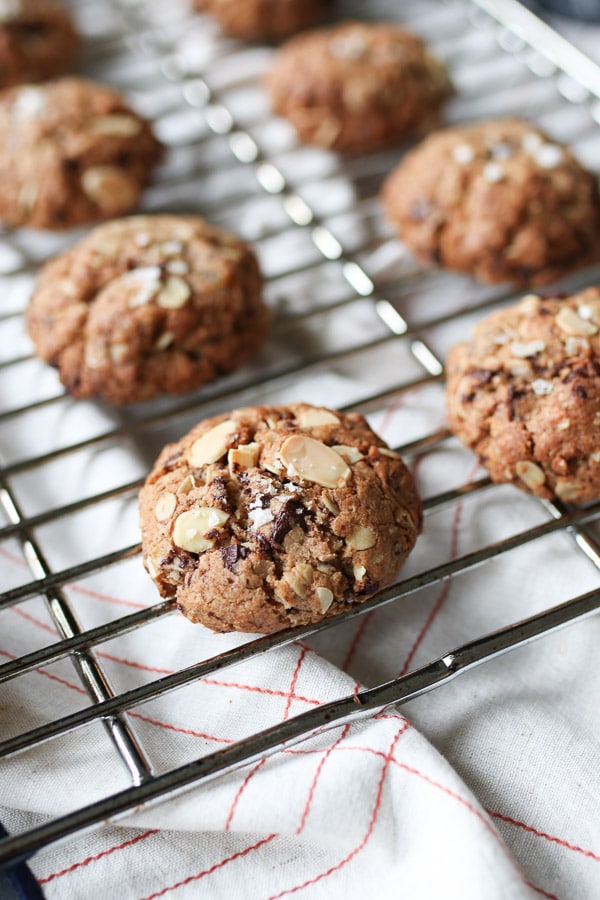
(385, 451)
(530, 474)
(569, 491)
(308, 458)
(243, 457)
(192, 527)
(523, 349)
(117, 125)
(164, 341)
(300, 578)
(330, 504)
(212, 445)
(110, 188)
(175, 293)
(361, 538)
(569, 322)
(165, 506)
(519, 368)
(317, 416)
(188, 483)
(595, 456)
(325, 597)
(350, 454)
(359, 572)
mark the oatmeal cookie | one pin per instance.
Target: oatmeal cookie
(71, 151)
(269, 517)
(37, 41)
(148, 305)
(499, 200)
(524, 394)
(256, 19)
(357, 86)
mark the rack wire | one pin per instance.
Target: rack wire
(234, 163)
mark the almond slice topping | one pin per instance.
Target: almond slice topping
(192, 527)
(308, 458)
(212, 445)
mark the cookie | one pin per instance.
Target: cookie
(148, 305)
(357, 86)
(37, 41)
(269, 517)
(524, 395)
(256, 19)
(498, 200)
(71, 151)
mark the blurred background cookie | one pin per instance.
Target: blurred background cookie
(256, 19)
(71, 151)
(148, 305)
(499, 200)
(268, 517)
(37, 41)
(524, 395)
(357, 86)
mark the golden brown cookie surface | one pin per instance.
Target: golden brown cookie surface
(71, 152)
(524, 395)
(267, 517)
(256, 19)
(37, 41)
(148, 305)
(357, 86)
(498, 200)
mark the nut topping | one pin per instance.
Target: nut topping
(174, 294)
(109, 187)
(525, 349)
(192, 527)
(308, 458)
(350, 454)
(361, 538)
(569, 322)
(212, 445)
(325, 597)
(530, 473)
(165, 506)
(317, 417)
(117, 125)
(243, 457)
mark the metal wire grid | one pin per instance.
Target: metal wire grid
(149, 59)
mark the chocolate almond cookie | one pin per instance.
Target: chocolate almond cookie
(37, 41)
(148, 305)
(256, 19)
(71, 152)
(524, 395)
(499, 200)
(268, 517)
(357, 86)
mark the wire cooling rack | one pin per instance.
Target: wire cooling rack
(353, 321)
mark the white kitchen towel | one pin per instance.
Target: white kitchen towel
(491, 787)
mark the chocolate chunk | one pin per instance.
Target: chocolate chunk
(291, 513)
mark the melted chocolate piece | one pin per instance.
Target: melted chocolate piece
(291, 513)
(231, 554)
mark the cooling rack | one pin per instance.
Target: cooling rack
(354, 322)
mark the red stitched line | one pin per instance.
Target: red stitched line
(294, 682)
(544, 834)
(134, 665)
(311, 791)
(368, 833)
(541, 890)
(89, 859)
(357, 639)
(33, 620)
(106, 598)
(241, 790)
(198, 734)
(76, 587)
(261, 690)
(212, 869)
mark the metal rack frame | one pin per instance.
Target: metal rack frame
(517, 31)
